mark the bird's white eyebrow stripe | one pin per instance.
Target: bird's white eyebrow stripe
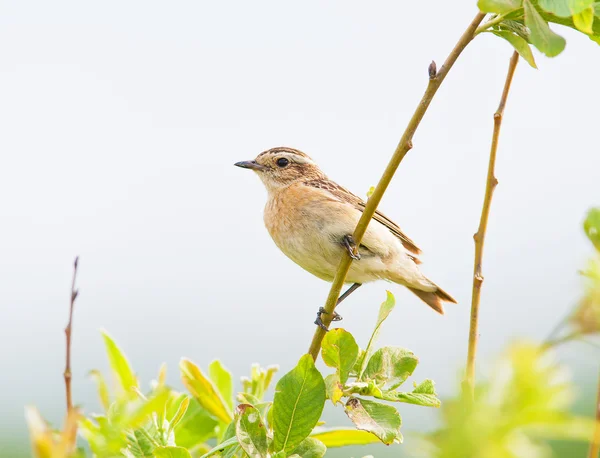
(290, 154)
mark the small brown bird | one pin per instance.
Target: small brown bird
(311, 219)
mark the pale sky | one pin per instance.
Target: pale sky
(121, 122)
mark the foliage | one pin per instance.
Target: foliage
(526, 22)
(525, 400)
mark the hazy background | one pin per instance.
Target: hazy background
(119, 125)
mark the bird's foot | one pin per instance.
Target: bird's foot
(322, 311)
(350, 245)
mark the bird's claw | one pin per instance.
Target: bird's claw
(322, 311)
(350, 245)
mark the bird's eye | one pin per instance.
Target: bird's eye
(282, 162)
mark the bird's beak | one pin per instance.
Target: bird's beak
(253, 165)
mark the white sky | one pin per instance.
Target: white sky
(120, 122)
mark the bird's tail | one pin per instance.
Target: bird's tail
(434, 299)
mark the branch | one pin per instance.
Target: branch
(67, 373)
(595, 444)
(479, 236)
(405, 144)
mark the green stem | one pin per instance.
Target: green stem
(479, 236)
(595, 444)
(405, 144)
(497, 20)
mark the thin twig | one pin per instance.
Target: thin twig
(595, 444)
(479, 236)
(403, 147)
(68, 334)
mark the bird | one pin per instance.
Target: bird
(311, 219)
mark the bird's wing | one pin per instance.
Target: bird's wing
(346, 196)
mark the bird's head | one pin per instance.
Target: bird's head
(280, 167)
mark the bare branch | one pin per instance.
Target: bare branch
(68, 333)
(403, 147)
(479, 236)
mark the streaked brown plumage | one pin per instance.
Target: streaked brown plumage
(308, 216)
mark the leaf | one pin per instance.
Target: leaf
(103, 393)
(425, 400)
(565, 8)
(339, 350)
(222, 446)
(204, 390)
(540, 34)
(343, 437)
(390, 365)
(591, 226)
(384, 311)
(196, 426)
(251, 432)
(498, 6)
(297, 405)
(181, 410)
(520, 45)
(333, 388)
(585, 20)
(221, 377)
(119, 364)
(171, 452)
(380, 419)
(310, 448)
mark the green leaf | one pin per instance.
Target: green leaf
(425, 400)
(196, 427)
(390, 365)
(333, 388)
(498, 6)
(591, 226)
(310, 448)
(251, 432)
(384, 311)
(565, 8)
(119, 364)
(221, 377)
(181, 410)
(204, 390)
(344, 437)
(585, 20)
(171, 452)
(297, 406)
(520, 45)
(103, 393)
(339, 350)
(540, 34)
(380, 419)
(222, 446)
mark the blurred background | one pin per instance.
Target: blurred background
(121, 122)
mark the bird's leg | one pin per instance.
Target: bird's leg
(336, 316)
(351, 247)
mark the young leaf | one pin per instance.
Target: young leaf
(171, 452)
(585, 20)
(540, 34)
(344, 437)
(103, 393)
(196, 427)
(204, 390)
(384, 311)
(498, 6)
(423, 395)
(339, 350)
(390, 365)
(565, 8)
(181, 410)
(221, 377)
(520, 45)
(380, 419)
(222, 446)
(297, 406)
(119, 364)
(310, 448)
(333, 388)
(591, 226)
(251, 432)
